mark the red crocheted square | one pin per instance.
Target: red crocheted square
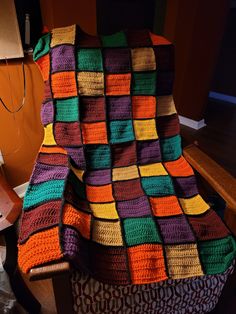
(67, 134)
(127, 190)
(92, 109)
(123, 154)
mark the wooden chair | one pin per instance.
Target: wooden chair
(212, 176)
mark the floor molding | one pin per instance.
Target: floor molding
(196, 125)
(21, 189)
(223, 97)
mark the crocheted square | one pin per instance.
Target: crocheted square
(168, 126)
(92, 109)
(43, 192)
(157, 186)
(144, 107)
(47, 91)
(48, 135)
(125, 173)
(53, 159)
(89, 60)
(143, 59)
(148, 152)
(64, 84)
(63, 58)
(103, 259)
(179, 168)
(107, 233)
(165, 82)
(98, 177)
(44, 173)
(144, 83)
(165, 56)
(47, 113)
(104, 210)
(171, 148)
(79, 220)
(175, 230)
(73, 197)
(67, 134)
(150, 170)
(183, 261)
(127, 190)
(116, 40)
(88, 41)
(123, 154)
(211, 253)
(77, 156)
(208, 226)
(194, 205)
(121, 131)
(185, 186)
(137, 207)
(146, 263)
(158, 40)
(119, 107)
(140, 231)
(101, 193)
(44, 65)
(118, 84)
(116, 60)
(63, 35)
(98, 156)
(67, 110)
(42, 47)
(94, 133)
(165, 106)
(165, 206)
(91, 83)
(138, 38)
(145, 129)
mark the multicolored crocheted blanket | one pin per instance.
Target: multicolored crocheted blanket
(111, 191)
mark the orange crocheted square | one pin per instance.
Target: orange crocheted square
(146, 263)
(158, 40)
(77, 219)
(99, 194)
(179, 168)
(52, 150)
(64, 84)
(118, 84)
(165, 206)
(94, 133)
(44, 65)
(144, 107)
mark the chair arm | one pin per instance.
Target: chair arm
(49, 271)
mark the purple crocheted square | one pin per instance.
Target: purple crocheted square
(119, 107)
(148, 151)
(185, 186)
(47, 113)
(98, 177)
(116, 60)
(62, 58)
(134, 208)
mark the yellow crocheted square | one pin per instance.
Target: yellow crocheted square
(48, 135)
(63, 35)
(165, 106)
(143, 59)
(183, 261)
(107, 233)
(125, 173)
(91, 83)
(145, 129)
(156, 169)
(104, 210)
(194, 205)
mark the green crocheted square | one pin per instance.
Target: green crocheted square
(121, 131)
(42, 47)
(43, 192)
(141, 230)
(144, 83)
(217, 255)
(98, 156)
(67, 110)
(158, 186)
(115, 40)
(89, 60)
(171, 148)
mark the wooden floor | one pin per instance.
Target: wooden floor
(218, 139)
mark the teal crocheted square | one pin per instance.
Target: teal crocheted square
(121, 131)
(98, 156)
(67, 110)
(158, 186)
(141, 230)
(89, 60)
(144, 83)
(115, 40)
(171, 148)
(42, 47)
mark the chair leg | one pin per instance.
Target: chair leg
(63, 293)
